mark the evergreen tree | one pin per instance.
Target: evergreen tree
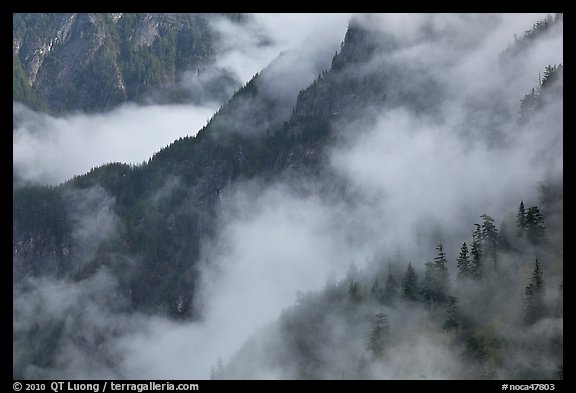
(354, 292)
(550, 75)
(529, 104)
(436, 286)
(410, 284)
(475, 269)
(477, 234)
(535, 296)
(440, 259)
(521, 221)
(453, 320)
(463, 262)
(535, 225)
(379, 336)
(489, 237)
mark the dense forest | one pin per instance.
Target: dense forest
(421, 173)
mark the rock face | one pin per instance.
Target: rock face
(92, 62)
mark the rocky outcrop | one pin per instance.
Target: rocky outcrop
(92, 62)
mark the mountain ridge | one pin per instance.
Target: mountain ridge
(160, 214)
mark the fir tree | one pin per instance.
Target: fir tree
(410, 284)
(440, 260)
(489, 237)
(535, 225)
(521, 221)
(535, 296)
(453, 320)
(463, 262)
(475, 269)
(550, 75)
(477, 234)
(379, 336)
(529, 104)
(354, 292)
(436, 286)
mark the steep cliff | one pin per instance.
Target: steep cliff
(93, 62)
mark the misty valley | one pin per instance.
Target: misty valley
(288, 196)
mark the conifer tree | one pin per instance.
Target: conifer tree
(489, 238)
(535, 296)
(463, 262)
(475, 269)
(521, 221)
(453, 320)
(550, 74)
(436, 286)
(379, 336)
(410, 284)
(535, 225)
(529, 104)
(354, 292)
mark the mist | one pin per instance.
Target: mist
(427, 179)
(50, 150)
(244, 281)
(247, 49)
(413, 180)
(423, 181)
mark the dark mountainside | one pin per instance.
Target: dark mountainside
(93, 62)
(152, 221)
(452, 319)
(183, 182)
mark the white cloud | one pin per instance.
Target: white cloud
(271, 245)
(412, 173)
(53, 149)
(247, 49)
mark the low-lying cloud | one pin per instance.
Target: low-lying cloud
(50, 150)
(270, 246)
(420, 181)
(248, 48)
